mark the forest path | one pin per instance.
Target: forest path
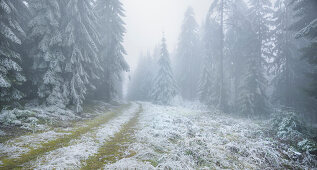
(189, 136)
(148, 136)
(35, 150)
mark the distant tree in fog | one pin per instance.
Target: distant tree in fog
(188, 57)
(111, 28)
(142, 80)
(164, 87)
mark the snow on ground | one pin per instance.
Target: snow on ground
(2, 133)
(70, 157)
(18, 146)
(183, 138)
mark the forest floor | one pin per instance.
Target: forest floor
(147, 136)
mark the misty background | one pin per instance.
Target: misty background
(146, 20)
(158, 84)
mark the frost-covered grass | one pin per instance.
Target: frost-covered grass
(14, 148)
(187, 138)
(184, 136)
(30, 153)
(35, 118)
(116, 148)
(71, 157)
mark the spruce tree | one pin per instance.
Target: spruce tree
(112, 29)
(286, 66)
(306, 25)
(80, 46)
(205, 90)
(216, 16)
(188, 59)
(11, 35)
(237, 43)
(253, 95)
(164, 87)
(47, 70)
(212, 51)
(142, 80)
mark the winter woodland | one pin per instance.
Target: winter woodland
(238, 90)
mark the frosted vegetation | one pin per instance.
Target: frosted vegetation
(238, 92)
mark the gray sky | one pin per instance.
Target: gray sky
(147, 19)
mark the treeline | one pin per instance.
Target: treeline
(249, 57)
(60, 52)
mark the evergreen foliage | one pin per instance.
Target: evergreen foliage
(306, 25)
(112, 29)
(164, 87)
(209, 84)
(188, 57)
(142, 80)
(47, 72)
(11, 36)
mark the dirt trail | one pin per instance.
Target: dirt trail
(117, 147)
(33, 153)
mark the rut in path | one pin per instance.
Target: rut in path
(63, 141)
(116, 148)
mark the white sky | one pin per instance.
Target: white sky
(147, 19)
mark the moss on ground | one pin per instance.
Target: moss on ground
(115, 149)
(8, 163)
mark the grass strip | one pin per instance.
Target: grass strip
(61, 142)
(114, 149)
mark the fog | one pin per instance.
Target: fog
(146, 20)
(158, 84)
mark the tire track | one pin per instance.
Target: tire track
(11, 163)
(116, 148)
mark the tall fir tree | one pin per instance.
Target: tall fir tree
(237, 43)
(80, 42)
(306, 25)
(11, 35)
(254, 100)
(286, 66)
(205, 90)
(212, 50)
(216, 16)
(251, 94)
(47, 71)
(164, 87)
(142, 80)
(112, 30)
(188, 58)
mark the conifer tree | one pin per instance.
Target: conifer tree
(164, 87)
(306, 25)
(112, 29)
(212, 49)
(286, 66)
(254, 100)
(11, 35)
(80, 42)
(205, 90)
(47, 70)
(237, 43)
(188, 59)
(216, 16)
(142, 80)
